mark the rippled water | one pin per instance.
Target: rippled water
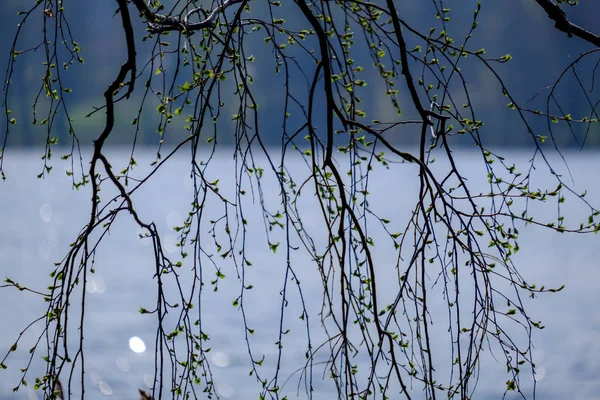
(39, 218)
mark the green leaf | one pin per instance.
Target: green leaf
(186, 87)
(273, 247)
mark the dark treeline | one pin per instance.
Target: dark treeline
(521, 29)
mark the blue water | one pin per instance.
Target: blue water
(39, 218)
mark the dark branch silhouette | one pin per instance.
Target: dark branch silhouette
(340, 84)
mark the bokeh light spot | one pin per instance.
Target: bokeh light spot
(96, 285)
(170, 243)
(540, 373)
(123, 364)
(174, 219)
(220, 359)
(225, 391)
(105, 388)
(137, 345)
(46, 212)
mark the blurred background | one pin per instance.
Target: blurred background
(39, 218)
(519, 28)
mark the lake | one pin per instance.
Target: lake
(39, 218)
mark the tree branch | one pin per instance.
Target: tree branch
(563, 24)
(158, 23)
